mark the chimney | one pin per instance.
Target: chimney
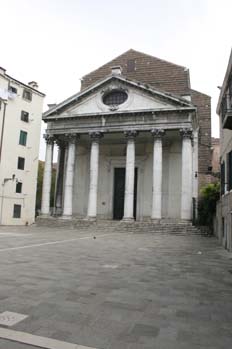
(116, 70)
(2, 70)
(52, 105)
(33, 84)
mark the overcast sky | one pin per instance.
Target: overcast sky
(56, 42)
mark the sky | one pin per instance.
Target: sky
(56, 42)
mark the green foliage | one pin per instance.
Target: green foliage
(210, 194)
(40, 185)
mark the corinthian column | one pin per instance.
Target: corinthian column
(130, 175)
(186, 185)
(157, 174)
(68, 187)
(59, 175)
(93, 182)
(47, 177)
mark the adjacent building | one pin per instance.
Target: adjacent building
(224, 208)
(20, 124)
(134, 143)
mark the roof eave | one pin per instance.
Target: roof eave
(224, 85)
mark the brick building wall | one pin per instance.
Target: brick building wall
(203, 104)
(158, 73)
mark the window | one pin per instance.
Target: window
(17, 211)
(21, 163)
(130, 65)
(24, 116)
(19, 187)
(27, 95)
(23, 138)
(12, 89)
(229, 170)
(115, 97)
(223, 178)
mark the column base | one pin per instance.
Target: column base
(45, 215)
(65, 217)
(156, 220)
(128, 220)
(58, 211)
(90, 219)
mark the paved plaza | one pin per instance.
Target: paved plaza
(115, 290)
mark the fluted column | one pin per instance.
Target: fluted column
(68, 186)
(93, 181)
(157, 174)
(186, 184)
(47, 177)
(59, 175)
(130, 176)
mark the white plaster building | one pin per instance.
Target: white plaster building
(224, 206)
(127, 150)
(20, 125)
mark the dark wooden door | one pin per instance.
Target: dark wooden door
(119, 192)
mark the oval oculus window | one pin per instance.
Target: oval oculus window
(115, 97)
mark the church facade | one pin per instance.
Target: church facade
(133, 144)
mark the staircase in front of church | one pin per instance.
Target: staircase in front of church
(111, 226)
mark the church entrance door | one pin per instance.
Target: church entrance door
(119, 192)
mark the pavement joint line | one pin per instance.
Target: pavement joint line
(14, 234)
(38, 341)
(52, 242)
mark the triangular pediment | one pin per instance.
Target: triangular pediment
(138, 98)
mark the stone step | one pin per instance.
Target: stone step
(108, 226)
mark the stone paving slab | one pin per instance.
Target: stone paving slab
(121, 291)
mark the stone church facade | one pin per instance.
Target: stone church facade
(134, 143)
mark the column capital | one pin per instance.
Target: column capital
(158, 133)
(96, 135)
(60, 141)
(49, 139)
(186, 133)
(72, 137)
(131, 134)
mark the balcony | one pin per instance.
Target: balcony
(226, 111)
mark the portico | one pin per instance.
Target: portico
(87, 163)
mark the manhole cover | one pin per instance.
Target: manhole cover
(7, 318)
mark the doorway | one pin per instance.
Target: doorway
(119, 192)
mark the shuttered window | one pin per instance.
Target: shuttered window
(17, 211)
(229, 170)
(19, 187)
(24, 116)
(21, 163)
(27, 95)
(223, 178)
(23, 138)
